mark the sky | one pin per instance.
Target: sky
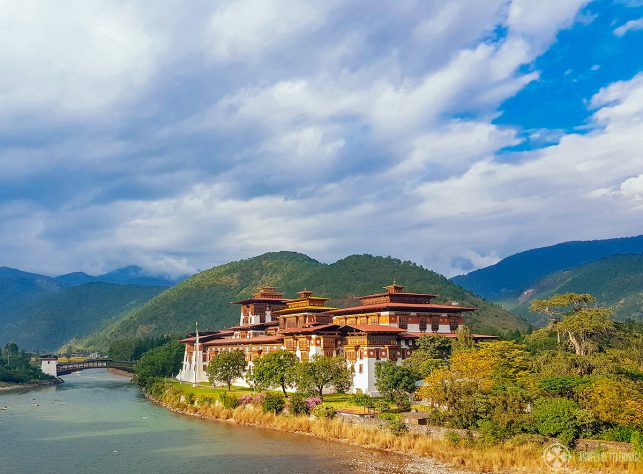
(182, 135)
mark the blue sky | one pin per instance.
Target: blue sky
(178, 138)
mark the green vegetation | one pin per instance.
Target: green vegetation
(162, 361)
(586, 381)
(134, 348)
(321, 373)
(274, 402)
(16, 367)
(226, 367)
(616, 283)
(396, 382)
(511, 276)
(275, 369)
(53, 318)
(207, 295)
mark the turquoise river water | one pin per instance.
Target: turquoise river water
(98, 422)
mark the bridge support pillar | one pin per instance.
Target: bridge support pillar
(49, 365)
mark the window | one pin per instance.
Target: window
(435, 325)
(453, 324)
(361, 368)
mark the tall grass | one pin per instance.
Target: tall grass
(526, 457)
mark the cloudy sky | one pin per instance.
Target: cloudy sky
(179, 135)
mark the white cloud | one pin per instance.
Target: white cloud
(244, 29)
(75, 59)
(631, 25)
(306, 126)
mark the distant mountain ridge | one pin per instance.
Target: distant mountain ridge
(508, 278)
(53, 318)
(131, 275)
(616, 282)
(206, 296)
(25, 295)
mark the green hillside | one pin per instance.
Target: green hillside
(18, 289)
(206, 296)
(511, 275)
(55, 317)
(615, 281)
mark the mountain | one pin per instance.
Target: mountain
(75, 278)
(54, 317)
(131, 275)
(511, 276)
(615, 281)
(206, 296)
(18, 289)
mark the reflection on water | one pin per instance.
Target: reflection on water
(99, 422)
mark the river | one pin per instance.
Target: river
(98, 422)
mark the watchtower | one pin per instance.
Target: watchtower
(49, 364)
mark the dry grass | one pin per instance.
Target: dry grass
(502, 458)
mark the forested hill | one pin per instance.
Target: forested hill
(616, 282)
(511, 276)
(18, 289)
(206, 296)
(54, 317)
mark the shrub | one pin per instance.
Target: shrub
(637, 442)
(453, 438)
(297, 404)
(323, 411)
(246, 400)
(274, 402)
(556, 417)
(312, 402)
(361, 399)
(229, 400)
(491, 433)
(617, 433)
(403, 403)
(436, 416)
(397, 427)
(190, 398)
(206, 400)
(382, 405)
(388, 416)
(522, 439)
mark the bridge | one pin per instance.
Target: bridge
(50, 365)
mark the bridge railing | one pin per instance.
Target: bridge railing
(69, 367)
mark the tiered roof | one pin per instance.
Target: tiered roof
(266, 294)
(306, 303)
(396, 299)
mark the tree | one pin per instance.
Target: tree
(324, 372)
(485, 382)
(616, 402)
(464, 340)
(572, 316)
(394, 381)
(557, 417)
(431, 353)
(10, 350)
(161, 361)
(226, 367)
(275, 369)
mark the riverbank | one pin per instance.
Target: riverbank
(446, 455)
(5, 387)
